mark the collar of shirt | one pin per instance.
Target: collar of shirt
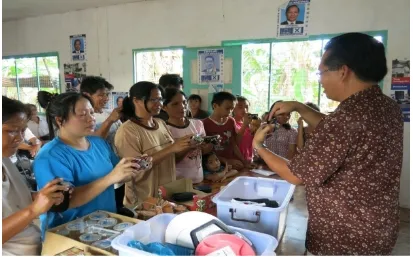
(359, 96)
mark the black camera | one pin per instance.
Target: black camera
(212, 139)
(142, 162)
(253, 116)
(65, 204)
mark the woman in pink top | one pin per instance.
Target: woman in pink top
(242, 122)
(188, 163)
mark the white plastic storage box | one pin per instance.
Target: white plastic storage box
(266, 220)
(153, 230)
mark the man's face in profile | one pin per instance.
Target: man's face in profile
(77, 45)
(209, 62)
(292, 14)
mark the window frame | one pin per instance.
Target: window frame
(229, 43)
(37, 55)
(154, 49)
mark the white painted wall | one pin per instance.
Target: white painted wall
(112, 32)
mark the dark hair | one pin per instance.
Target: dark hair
(210, 56)
(314, 106)
(171, 93)
(242, 99)
(195, 97)
(173, 80)
(11, 107)
(141, 91)
(205, 158)
(59, 106)
(289, 7)
(361, 53)
(91, 84)
(29, 110)
(77, 40)
(287, 125)
(119, 97)
(220, 97)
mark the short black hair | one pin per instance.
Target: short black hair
(77, 40)
(289, 7)
(91, 84)
(195, 97)
(220, 97)
(11, 107)
(242, 99)
(171, 93)
(205, 158)
(361, 53)
(210, 56)
(171, 80)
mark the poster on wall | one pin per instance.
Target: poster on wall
(117, 99)
(211, 66)
(215, 88)
(74, 73)
(293, 17)
(78, 47)
(400, 85)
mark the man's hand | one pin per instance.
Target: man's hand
(261, 135)
(283, 107)
(115, 115)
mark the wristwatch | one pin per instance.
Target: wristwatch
(259, 147)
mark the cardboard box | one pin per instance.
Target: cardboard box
(200, 202)
(55, 243)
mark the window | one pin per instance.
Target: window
(151, 65)
(284, 71)
(24, 77)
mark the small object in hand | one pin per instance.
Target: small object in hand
(212, 139)
(196, 140)
(66, 196)
(253, 116)
(183, 197)
(204, 188)
(142, 162)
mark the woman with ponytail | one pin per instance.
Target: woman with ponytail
(144, 134)
(85, 161)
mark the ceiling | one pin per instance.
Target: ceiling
(20, 9)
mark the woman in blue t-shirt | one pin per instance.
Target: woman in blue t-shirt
(85, 161)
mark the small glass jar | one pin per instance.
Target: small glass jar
(90, 238)
(108, 222)
(122, 226)
(98, 215)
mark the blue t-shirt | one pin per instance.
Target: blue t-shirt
(57, 159)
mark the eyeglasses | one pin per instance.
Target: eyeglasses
(322, 72)
(156, 100)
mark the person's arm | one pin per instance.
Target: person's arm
(18, 221)
(277, 163)
(291, 151)
(215, 177)
(104, 128)
(311, 116)
(241, 131)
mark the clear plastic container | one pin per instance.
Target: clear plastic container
(108, 222)
(122, 226)
(153, 230)
(262, 219)
(90, 238)
(98, 215)
(75, 229)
